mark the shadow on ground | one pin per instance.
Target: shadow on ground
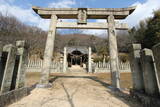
(69, 97)
(118, 93)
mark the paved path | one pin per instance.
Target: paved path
(77, 90)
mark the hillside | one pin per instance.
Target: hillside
(12, 30)
(76, 40)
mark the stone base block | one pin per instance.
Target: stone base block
(49, 85)
(114, 88)
(14, 95)
(146, 100)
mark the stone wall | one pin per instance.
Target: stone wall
(14, 95)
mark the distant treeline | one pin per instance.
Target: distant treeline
(147, 33)
(12, 30)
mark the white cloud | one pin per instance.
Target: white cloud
(142, 11)
(24, 15)
(27, 15)
(95, 31)
(62, 4)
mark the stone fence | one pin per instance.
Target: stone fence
(105, 67)
(36, 66)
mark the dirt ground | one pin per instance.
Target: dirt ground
(125, 79)
(77, 90)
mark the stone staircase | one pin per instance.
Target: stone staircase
(76, 69)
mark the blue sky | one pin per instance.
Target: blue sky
(21, 9)
(80, 3)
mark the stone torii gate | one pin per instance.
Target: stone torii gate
(82, 14)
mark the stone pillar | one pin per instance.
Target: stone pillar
(9, 67)
(22, 53)
(156, 53)
(48, 51)
(65, 60)
(150, 82)
(89, 60)
(135, 64)
(113, 52)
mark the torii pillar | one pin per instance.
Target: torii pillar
(48, 52)
(113, 52)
